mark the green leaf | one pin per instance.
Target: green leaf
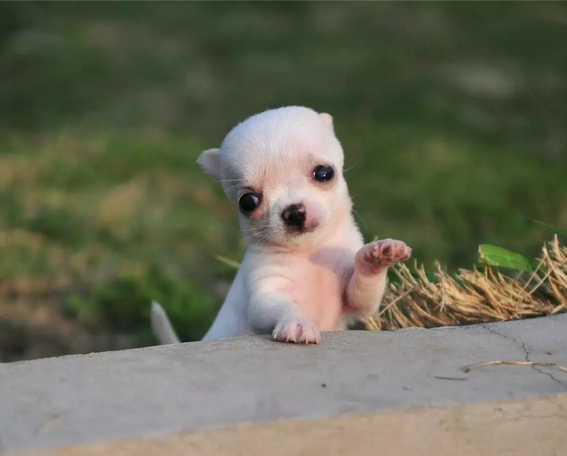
(555, 229)
(228, 261)
(497, 256)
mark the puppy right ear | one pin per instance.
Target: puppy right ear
(210, 162)
(328, 119)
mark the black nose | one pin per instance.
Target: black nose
(294, 215)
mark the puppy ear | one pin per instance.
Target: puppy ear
(328, 119)
(210, 162)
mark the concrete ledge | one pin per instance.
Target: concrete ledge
(526, 427)
(157, 392)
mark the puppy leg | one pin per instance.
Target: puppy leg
(366, 286)
(273, 312)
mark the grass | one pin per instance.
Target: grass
(452, 117)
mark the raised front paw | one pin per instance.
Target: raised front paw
(381, 254)
(301, 331)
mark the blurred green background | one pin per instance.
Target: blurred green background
(453, 117)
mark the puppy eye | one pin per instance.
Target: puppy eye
(248, 202)
(323, 173)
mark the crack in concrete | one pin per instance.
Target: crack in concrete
(527, 353)
(489, 329)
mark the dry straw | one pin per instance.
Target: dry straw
(474, 296)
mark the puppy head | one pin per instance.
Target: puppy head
(283, 171)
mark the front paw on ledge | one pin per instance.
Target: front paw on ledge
(301, 331)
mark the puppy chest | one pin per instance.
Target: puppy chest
(319, 292)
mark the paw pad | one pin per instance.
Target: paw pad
(386, 253)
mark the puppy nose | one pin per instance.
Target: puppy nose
(294, 215)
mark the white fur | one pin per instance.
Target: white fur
(293, 285)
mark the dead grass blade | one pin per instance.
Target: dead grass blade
(510, 363)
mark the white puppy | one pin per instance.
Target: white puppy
(306, 269)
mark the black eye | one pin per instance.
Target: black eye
(249, 202)
(323, 173)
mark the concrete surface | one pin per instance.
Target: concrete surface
(206, 385)
(526, 427)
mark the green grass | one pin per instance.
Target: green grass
(453, 118)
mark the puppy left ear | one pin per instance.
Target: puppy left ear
(328, 119)
(210, 162)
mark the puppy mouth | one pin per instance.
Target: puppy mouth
(302, 229)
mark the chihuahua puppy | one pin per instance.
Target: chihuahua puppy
(307, 269)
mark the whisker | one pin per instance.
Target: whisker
(259, 225)
(361, 219)
(257, 231)
(264, 234)
(351, 167)
(220, 181)
(232, 186)
(260, 229)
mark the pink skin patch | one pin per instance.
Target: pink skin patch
(313, 216)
